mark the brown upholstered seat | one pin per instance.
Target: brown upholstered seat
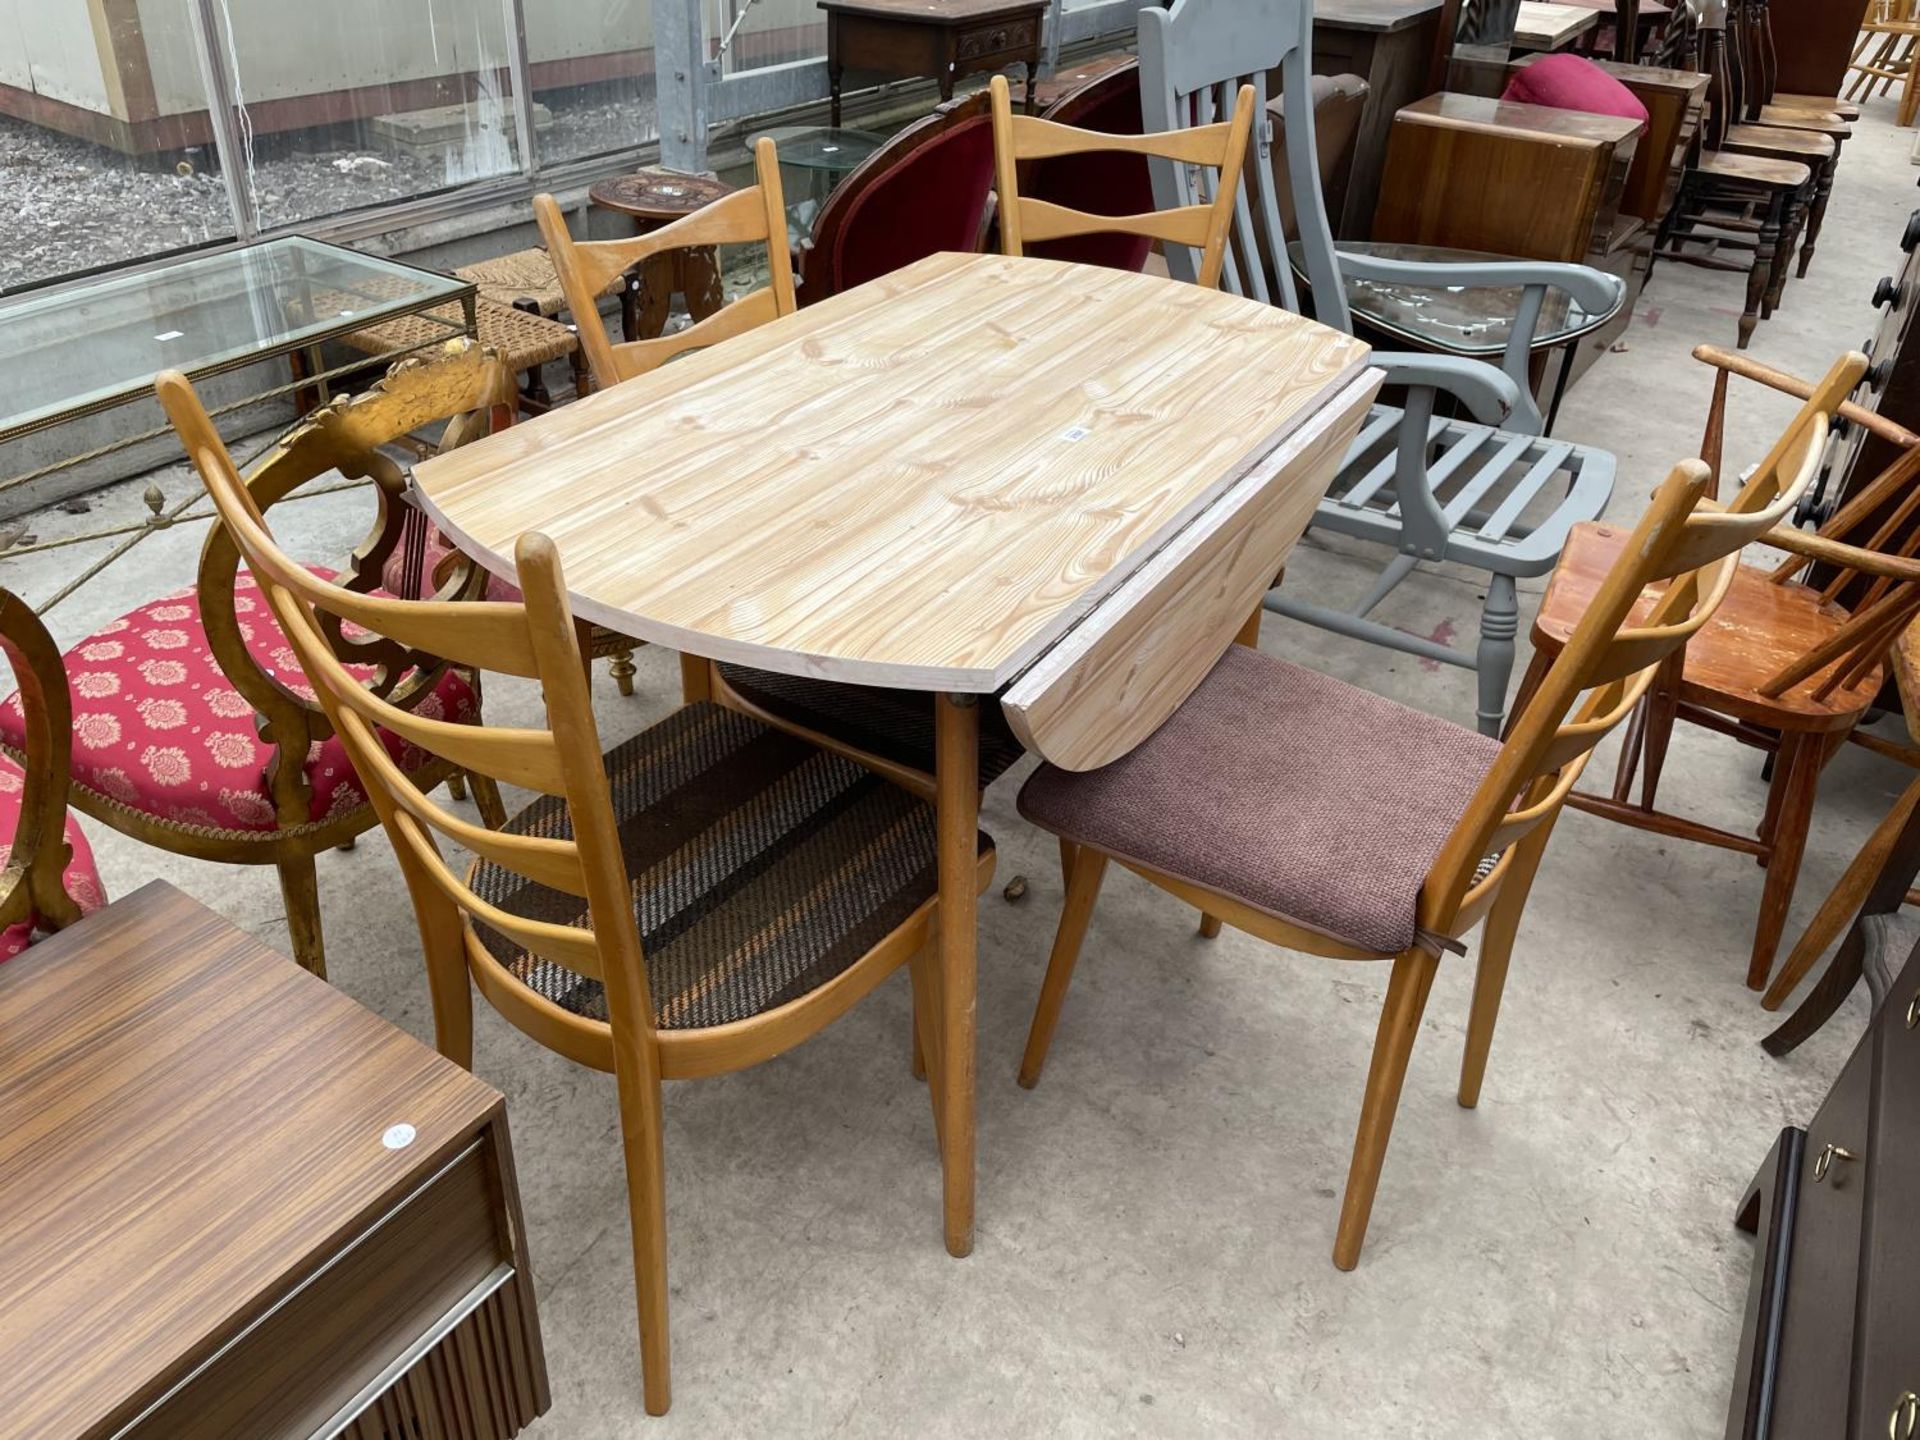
(895, 725)
(762, 868)
(1296, 793)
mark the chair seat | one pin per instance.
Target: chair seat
(1799, 144)
(82, 876)
(159, 729)
(524, 340)
(762, 868)
(1831, 104)
(896, 725)
(1758, 629)
(1490, 484)
(1754, 169)
(1300, 795)
(1793, 117)
(525, 276)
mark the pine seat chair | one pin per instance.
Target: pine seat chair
(891, 731)
(192, 729)
(48, 878)
(1487, 493)
(1377, 832)
(1787, 667)
(702, 898)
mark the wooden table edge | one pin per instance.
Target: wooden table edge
(959, 680)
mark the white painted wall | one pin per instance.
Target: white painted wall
(47, 46)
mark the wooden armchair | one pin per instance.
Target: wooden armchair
(47, 875)
(192, 729)
(1785, 667)
(584, 922)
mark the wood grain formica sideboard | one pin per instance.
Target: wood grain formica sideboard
(1831, 1342)
(239, 1205)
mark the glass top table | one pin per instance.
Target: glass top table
(87, 348)
(824, 155)
(1471, 320)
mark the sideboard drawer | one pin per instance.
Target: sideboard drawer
(1823, 1273)
(361, 1310)
(1890, 1307)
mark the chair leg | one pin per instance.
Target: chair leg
(640, 1129)
(1495, 951)
(1823, 190)
(300, 894)
(1392, 1046)
(486, 799)
(1843, 904)
(1083, 890)
(1210, 926)
(443, 941)
(1537, 669)
(1499, 623)
(1796, 775)
(1760, 273)
(457, 786)
(622, 668)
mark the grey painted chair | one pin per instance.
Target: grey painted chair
(1489, 493)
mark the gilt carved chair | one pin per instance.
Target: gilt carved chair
(1785, 667)
(193, 730)
(1330, 820)
(701, 898)
(1487, 493)
(48, 878)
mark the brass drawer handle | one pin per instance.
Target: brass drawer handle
(1906, 1414)
(1823, 1162)
(1913, 1012)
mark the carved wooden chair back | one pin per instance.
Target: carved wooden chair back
(32, 888)
(535, 640)
(1221, 146)
(755, 215)
(466, 388)
(1605, 669)
(1867, 547)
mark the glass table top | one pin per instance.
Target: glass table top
(1455, 319)
(87, 347)
(820, 147)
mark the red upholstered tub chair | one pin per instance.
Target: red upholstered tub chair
(47, 875)
(922, 192)
(1100, 182)
(193, 729)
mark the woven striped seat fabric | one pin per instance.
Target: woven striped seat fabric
(762, 867)
(895, 725)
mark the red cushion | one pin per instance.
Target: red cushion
(393, 575)
(1099, 182)
(1569, 82)
(82, 877)
(934, 199)
(158, 727)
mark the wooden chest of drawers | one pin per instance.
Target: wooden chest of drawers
(239, 1205)
(1832, 1339)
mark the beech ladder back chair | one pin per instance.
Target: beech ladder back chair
(754, 215)
(707, 895)
(192, 731)
(1486, 493)
(1221, 145)
(1784, 668)
(48, 878)
(1377, 832)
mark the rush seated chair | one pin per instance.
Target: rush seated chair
(1488, 493)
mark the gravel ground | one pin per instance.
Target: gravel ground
(68, 205)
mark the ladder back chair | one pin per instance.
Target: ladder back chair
(48, 878)
(700, 899)
(1785, 666)
(192, 729)
(1376, 832)
(1488, 493)
(756, 215)
(1221, 146)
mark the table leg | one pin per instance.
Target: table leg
(834, 70)
(1560, 385)
(700, 281)
(656, 294)
(957, 782)
(1033, 67)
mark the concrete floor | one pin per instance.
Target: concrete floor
(1155, 1219)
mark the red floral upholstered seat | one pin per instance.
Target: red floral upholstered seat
(160, 730)
(82, 878)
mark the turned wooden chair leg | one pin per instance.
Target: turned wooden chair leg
(640, 1129)
(1495, 950)
(1797, 774)
(622, 668)
(486, 799)
(300, 894)
(1840, 907)
(1083, 890)
(1407, 992)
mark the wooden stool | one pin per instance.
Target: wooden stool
(656, 197)
(528, 339)
(523, 280)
